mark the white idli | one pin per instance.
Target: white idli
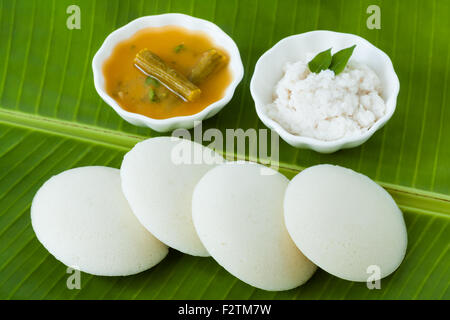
(82, 218)
(238, 214)
(158, 178)
(344, 222)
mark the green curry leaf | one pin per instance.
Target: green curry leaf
(320, 62)
(340, 59)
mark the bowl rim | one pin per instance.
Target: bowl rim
(313, 143)
(98, 61)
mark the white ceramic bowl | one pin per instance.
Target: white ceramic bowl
(269, 70)
(219, 37)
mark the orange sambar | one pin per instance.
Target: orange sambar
(180, 49)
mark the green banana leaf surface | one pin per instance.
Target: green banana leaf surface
(52, 119)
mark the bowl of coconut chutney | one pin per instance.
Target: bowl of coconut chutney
(324, 110)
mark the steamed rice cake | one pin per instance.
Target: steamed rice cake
(82, 218)
(238, 213)
(158, 178)
(344, 222)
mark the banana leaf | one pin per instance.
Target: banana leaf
(51, 119)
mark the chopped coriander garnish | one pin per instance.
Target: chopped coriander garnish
(152, 95)
(178, 48)
(152, 82)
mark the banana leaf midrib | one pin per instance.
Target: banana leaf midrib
(416, 200)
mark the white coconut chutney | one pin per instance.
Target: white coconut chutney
(82, 218)
(158, 178)
(344, 222)
(325, 106)
(238, 214)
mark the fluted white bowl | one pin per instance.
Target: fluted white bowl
(269, 70)
(219, 37)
